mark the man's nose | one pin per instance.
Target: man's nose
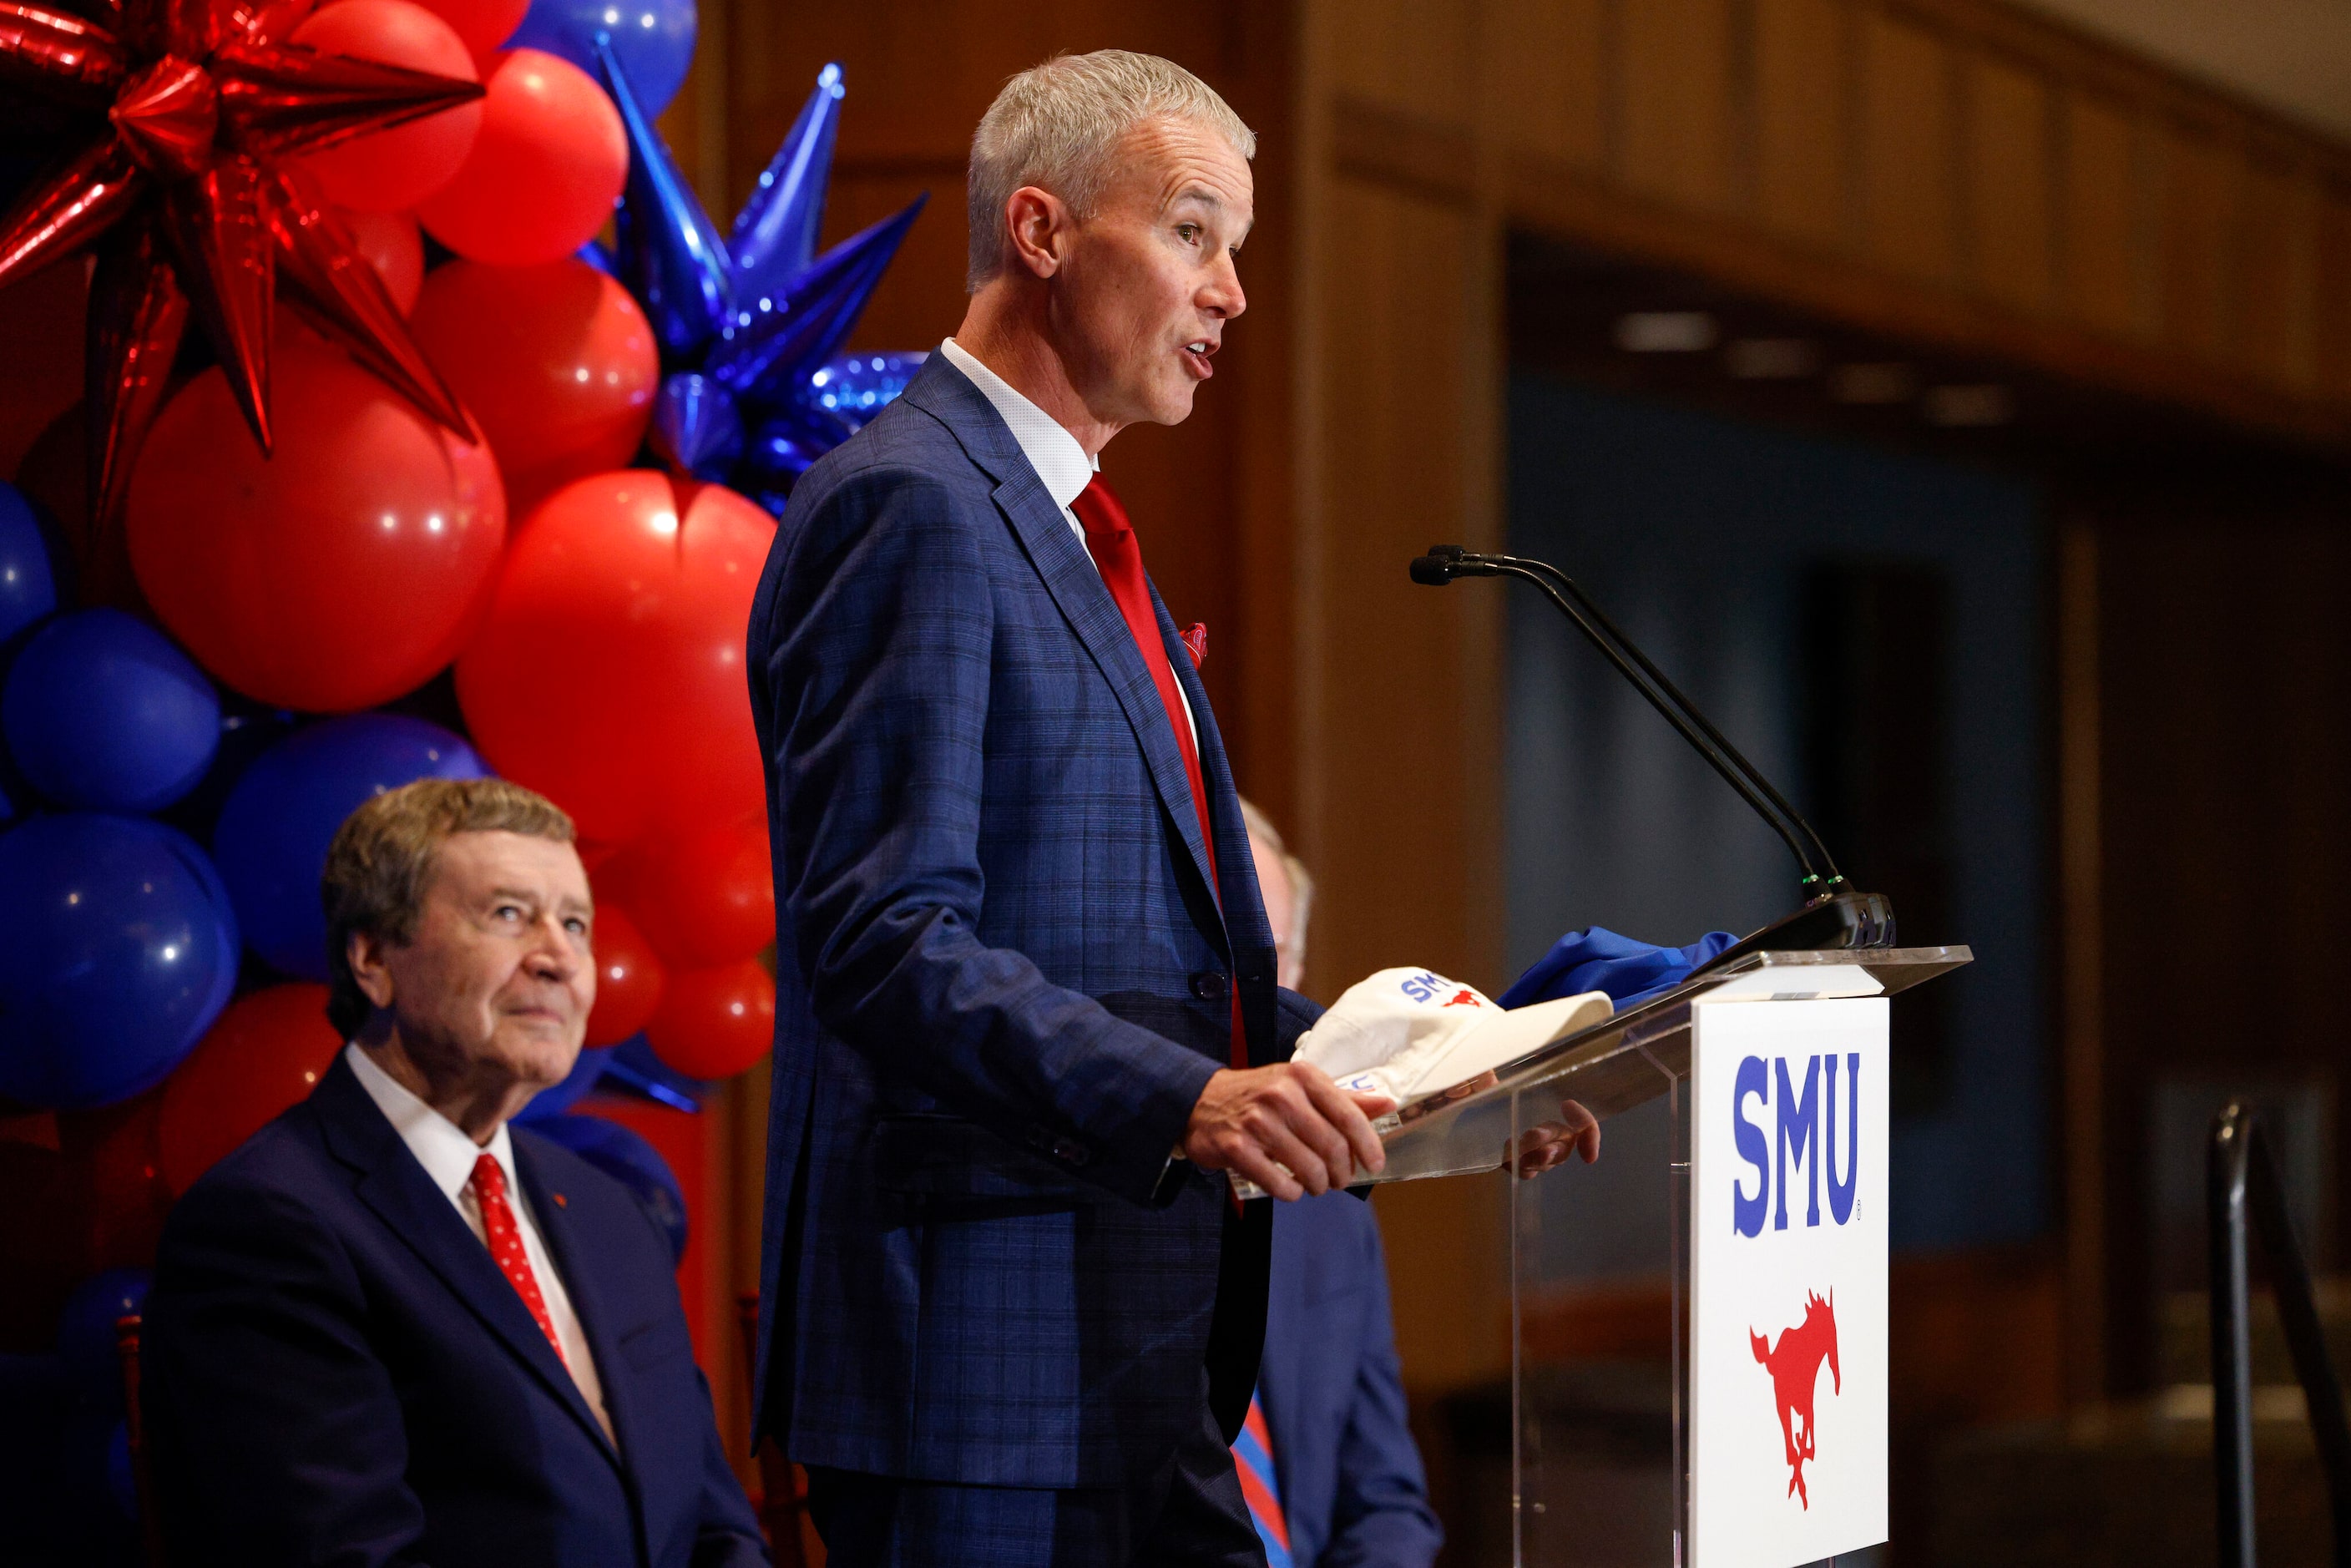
(1223, 297)
(553, 953)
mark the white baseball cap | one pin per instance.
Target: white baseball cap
(1405, 1033)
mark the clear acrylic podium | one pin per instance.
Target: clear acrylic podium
(1575, 1498)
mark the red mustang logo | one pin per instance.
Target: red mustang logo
(1795, 1367)
(1465, 997)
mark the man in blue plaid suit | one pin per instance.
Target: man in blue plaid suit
(1027, 1015)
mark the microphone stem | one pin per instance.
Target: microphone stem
(1826, 867)
(1702, 737)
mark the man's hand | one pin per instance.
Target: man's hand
(1551, 1142)
(1286, 1128)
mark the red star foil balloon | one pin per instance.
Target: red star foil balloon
(176, 122)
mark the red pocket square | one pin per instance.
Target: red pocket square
(1195, 641)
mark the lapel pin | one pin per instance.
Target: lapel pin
(560, 1201)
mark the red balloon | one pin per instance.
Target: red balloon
(391, 171)
(546, 168)
(608, 675)
(339, 574)
(265, 1053)
(394, 246)
(716, 1023)
(704, 895)
(483, 24)
(556, 361)
(629, 978)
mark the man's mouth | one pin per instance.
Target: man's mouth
(1196, 353)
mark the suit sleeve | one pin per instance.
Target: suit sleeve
(1381, 1517)
(275, 1431)
(877, 659)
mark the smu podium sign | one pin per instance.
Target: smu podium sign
(1787, 1240)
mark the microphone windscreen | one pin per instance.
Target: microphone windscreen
(1431, 571)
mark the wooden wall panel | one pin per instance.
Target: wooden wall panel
(1549, 63)
(1405, 832)
(1800, 102)
(2198, 186)
(2331, 311)
(2104, 281)
(1402, 55)
(1401, 750)
(1908, 151)
(2274, 272)
(2010, 203)
(1677, 99)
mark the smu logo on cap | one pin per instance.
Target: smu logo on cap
(1425, 987)
(1804, 1139)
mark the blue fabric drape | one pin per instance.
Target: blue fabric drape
(1598, 959)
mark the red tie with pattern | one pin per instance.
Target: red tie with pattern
(1110, 539)
(505, 1245)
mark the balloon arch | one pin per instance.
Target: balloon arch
(414, 365)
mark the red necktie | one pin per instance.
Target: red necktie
(505, 1245)
(1110, 539)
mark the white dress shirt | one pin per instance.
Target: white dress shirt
(1053, 452)
(447, 1155)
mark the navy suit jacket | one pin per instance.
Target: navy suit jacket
(1002, 983)
(336, 1371)
(1353, 1489)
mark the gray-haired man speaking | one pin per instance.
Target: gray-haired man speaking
(1027, 1012)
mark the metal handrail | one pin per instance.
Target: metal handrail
(2242, 1175)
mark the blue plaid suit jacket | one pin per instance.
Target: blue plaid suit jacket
(1001, 985)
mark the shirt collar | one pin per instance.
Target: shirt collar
(440, 1145)
(1050, 449)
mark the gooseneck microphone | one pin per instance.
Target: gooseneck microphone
(1834, 914)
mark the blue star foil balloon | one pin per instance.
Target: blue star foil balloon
(654, 39)
(750, 326)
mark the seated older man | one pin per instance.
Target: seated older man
(392, 1328)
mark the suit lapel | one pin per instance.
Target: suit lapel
(1248, 937)
(1071, 577)
(395, 1186)
(571, 1257)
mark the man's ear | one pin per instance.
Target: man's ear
(365, 952)
(1038, 222)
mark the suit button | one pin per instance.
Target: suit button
(1209, 986)
(1069, 1151)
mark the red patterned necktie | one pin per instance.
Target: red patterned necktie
(505, 1245)
(1110, 539)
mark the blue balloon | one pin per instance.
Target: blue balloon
(247, 731)
(677, 266)
(856, 387)
(28, 579)
(746, 324)
(696, 426)
(272, 838)
(86, 1338)
(653, 38)
(777, 340)
(561, 1097)
(775, 234)
(635, 1069)
(629, 1160)
(117, 948)
(103, 714)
